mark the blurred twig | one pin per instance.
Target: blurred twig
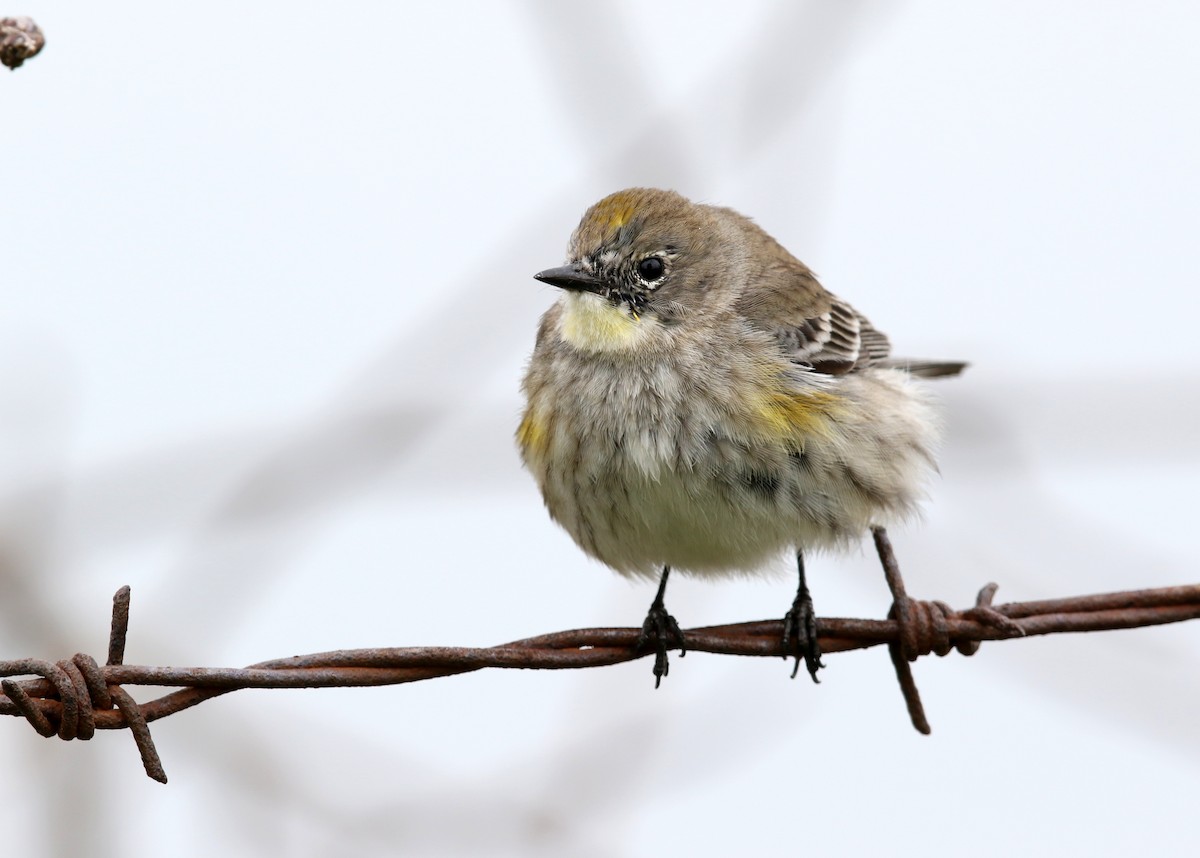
(75, 697)
(20, 39)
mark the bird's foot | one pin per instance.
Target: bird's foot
(661, 632)
(800, 635)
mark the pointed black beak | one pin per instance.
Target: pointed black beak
(570, 277)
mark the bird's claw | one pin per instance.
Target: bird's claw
(662, 632)
(800, 636)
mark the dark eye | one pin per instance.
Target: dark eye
(651, 268)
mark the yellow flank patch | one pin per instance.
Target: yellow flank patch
(794, 416)
(594, 324)
(532, 434)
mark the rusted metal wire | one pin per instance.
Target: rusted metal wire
(75, 694)
(74, 698)
(20, 39)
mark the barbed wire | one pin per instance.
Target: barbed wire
(75, 697)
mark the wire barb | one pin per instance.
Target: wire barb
(120, 626)
(73, 701)
(925, 628)
(80, 696)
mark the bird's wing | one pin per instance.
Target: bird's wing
(814, 328)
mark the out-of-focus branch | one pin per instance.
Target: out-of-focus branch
(20, 39)
(75, 697)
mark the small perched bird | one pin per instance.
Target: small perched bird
(697, 401)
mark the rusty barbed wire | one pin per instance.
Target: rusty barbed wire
(20, 39)
(75, 697)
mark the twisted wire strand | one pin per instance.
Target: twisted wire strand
(75, 697)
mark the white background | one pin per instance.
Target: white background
(265, 298)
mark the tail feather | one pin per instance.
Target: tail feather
(925, 368)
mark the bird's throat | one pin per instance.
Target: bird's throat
(592, 323)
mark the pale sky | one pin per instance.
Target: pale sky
(267, 291)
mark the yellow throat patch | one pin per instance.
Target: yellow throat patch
(592, 323)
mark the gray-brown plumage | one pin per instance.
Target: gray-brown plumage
(698, 401)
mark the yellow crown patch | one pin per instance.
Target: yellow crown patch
(616, 210)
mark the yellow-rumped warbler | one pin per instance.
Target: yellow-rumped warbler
(697, 401)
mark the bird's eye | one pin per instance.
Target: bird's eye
(651, 268)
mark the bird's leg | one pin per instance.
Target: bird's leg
(660, 631)
(800, 628)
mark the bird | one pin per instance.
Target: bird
(696, 401)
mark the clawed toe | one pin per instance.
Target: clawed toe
(800, 636)
(800, 628)
(661, 632)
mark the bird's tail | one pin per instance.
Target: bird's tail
(925, 368)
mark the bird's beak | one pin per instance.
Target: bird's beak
(571, 277)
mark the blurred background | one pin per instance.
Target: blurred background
(265, 300)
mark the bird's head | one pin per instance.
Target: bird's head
(639, 258)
